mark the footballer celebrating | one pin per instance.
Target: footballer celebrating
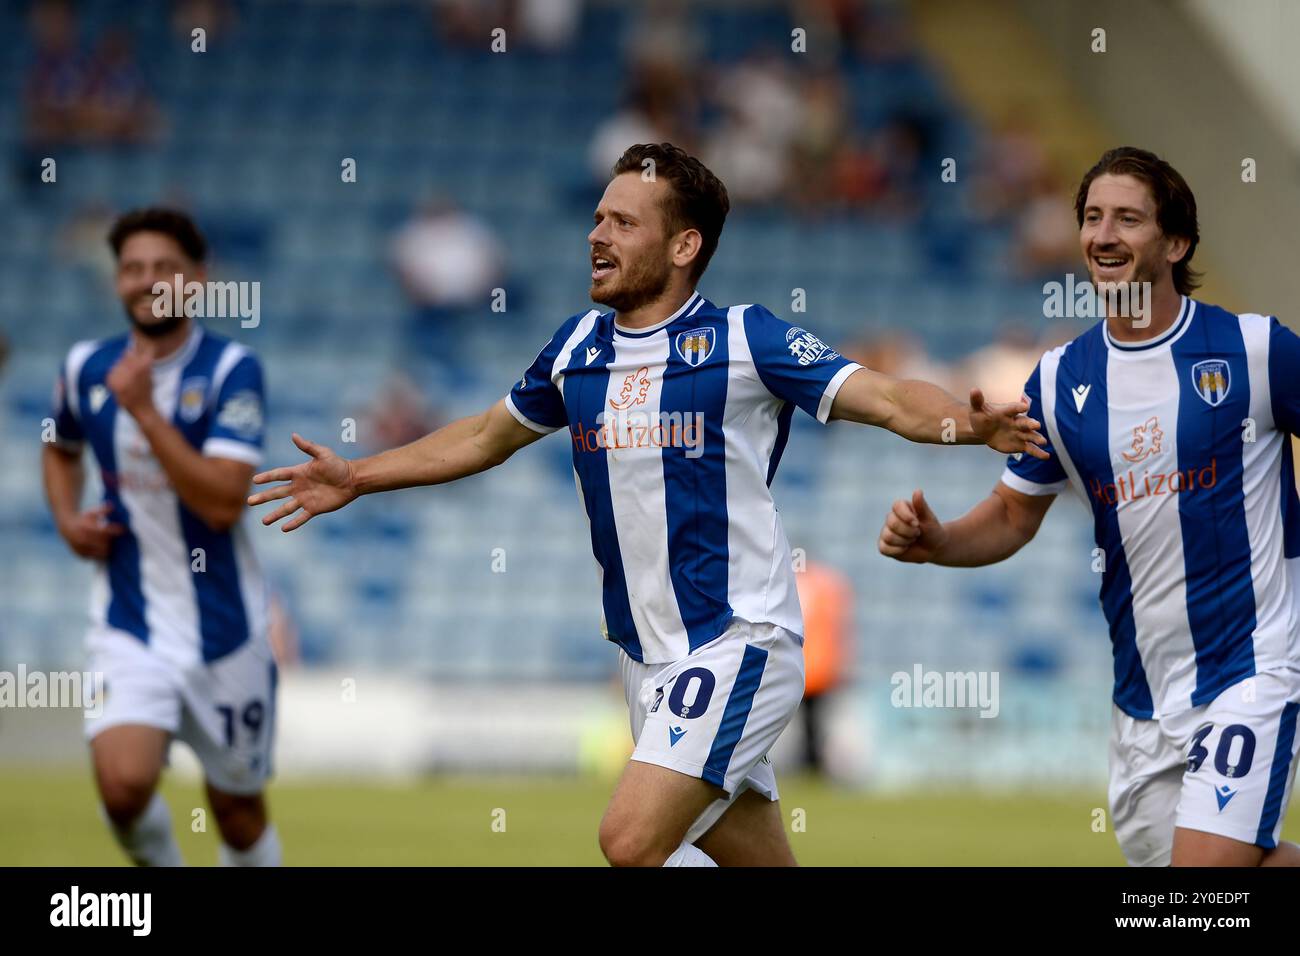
(1174, 428)
(678, 411)
(173, 415)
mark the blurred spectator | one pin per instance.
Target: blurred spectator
(215, 17)
(282, 631)
(858, 178)
(549, 25)
(826, 598)
(649, 116)
(117, 105)
(72, 100)
(898, 149)
(1047, 235)
(819, 141)
(81, 239)
(1001, 368)
(469, 23)
(902, 355)
(661, 37)
(55, 85)
(398, 415)
(762, 117)
(1013, 165)
(447, 260)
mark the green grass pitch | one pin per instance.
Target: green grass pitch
(49, 817)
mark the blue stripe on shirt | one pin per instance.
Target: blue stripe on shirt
(1087, 439)
(1216, 539)
(126, 605)
(584, 400)
(695, 488)
(223, 619)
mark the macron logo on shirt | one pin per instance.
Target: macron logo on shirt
(1080, 394)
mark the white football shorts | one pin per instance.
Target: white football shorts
(224, 710)
(716, 713)
(1226, 767)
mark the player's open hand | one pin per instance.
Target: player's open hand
(1006, 428)
(89, 533)
(317, 487)
(912, 533)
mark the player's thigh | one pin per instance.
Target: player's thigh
(750, 833)
(1198, 848)
(131, 720)
(650, 812)
(229, 718)
(128, 759)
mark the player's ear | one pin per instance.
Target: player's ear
(686, 246)
(1178, 246)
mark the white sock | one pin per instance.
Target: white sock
(149, 840)
(688, 854)
(265, 852)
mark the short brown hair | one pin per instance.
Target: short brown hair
(1175, 204)
(170, 222)
(697, 200)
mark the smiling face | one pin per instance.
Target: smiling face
(146, 258)
(1121, 237)
(632, 258)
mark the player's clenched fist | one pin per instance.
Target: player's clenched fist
(324, 484)
(131, 381)
(89, 533)
(911, 532)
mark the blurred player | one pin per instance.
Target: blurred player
(1175, 434)
(678, 411)
(173, 414)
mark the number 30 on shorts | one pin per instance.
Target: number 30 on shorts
(691, 693)
(1245, 755)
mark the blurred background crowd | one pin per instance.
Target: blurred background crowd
(830, 121)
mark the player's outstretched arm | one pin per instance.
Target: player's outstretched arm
(923, 412)
(992, 531)
(328, 482)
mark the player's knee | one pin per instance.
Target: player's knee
(624, 846)
(240, 819)
(125, 796)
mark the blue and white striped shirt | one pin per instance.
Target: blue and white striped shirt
(1180, 447)
(677, 431)
(187, 605)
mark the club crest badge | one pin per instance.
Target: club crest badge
(1212, 379)
(694, 347)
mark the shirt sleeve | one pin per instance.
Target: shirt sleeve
(238, 415)
(794, 364)
(68, 433)
(535, 401)
(1030, 475)
(1284, 377)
